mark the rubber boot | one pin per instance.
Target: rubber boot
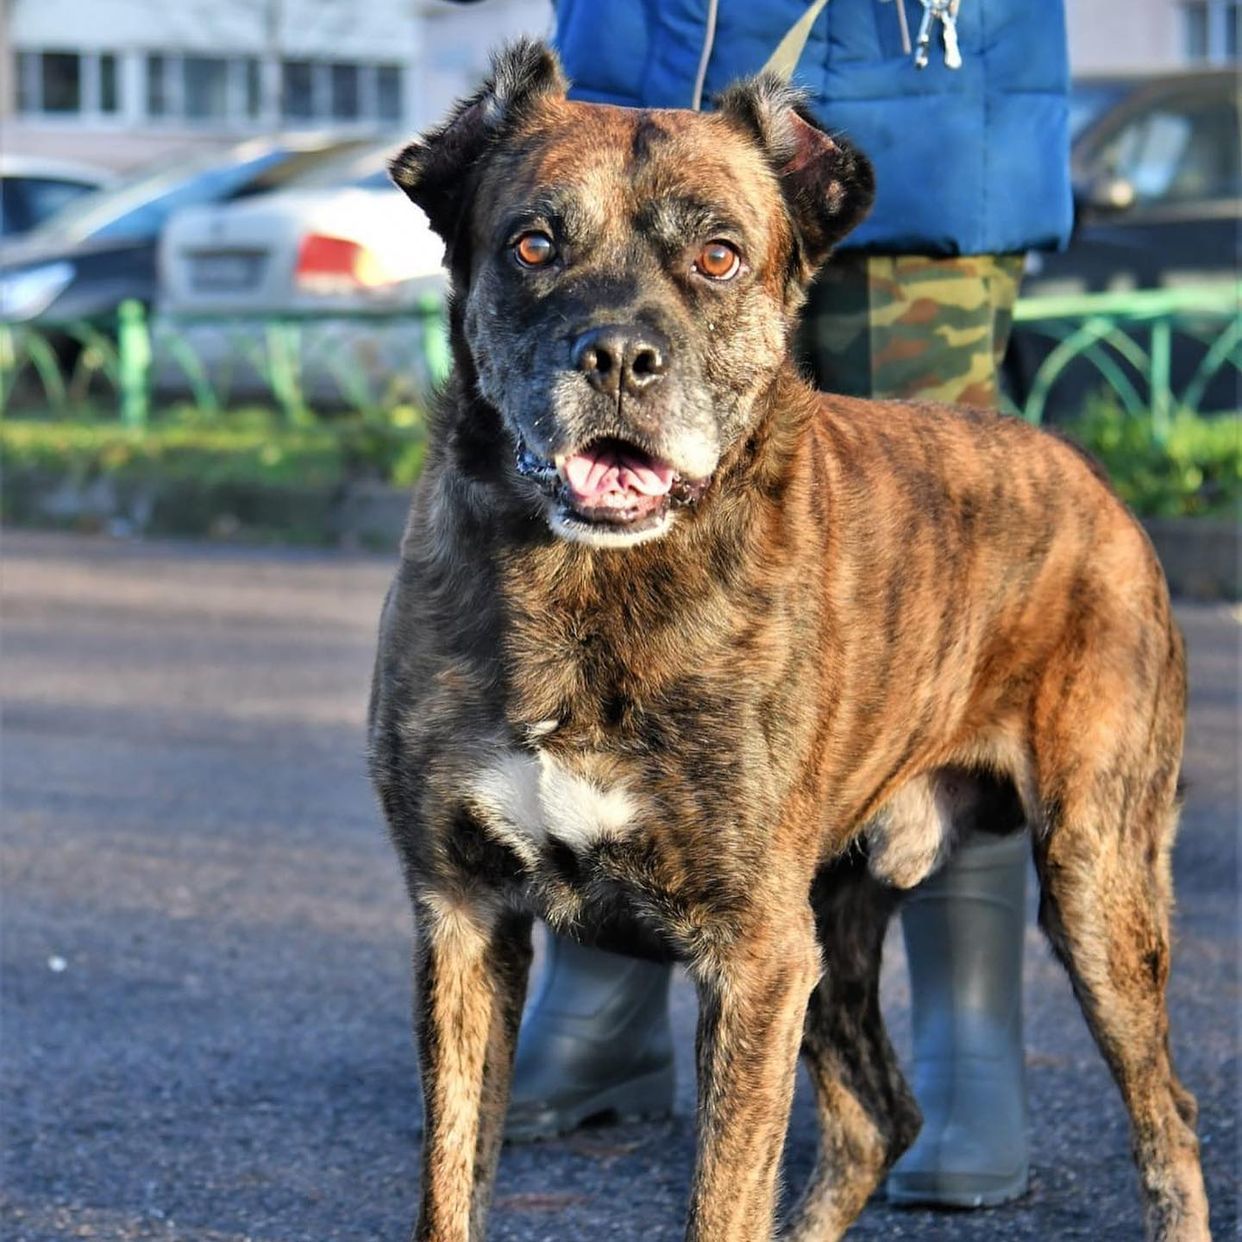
(595, 1044)
(964, 931)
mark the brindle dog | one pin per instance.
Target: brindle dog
(686, 655)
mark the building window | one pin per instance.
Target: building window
(62, 82)
(211, 90)
(1210, 30)
(322, 91)
(109, 91)
(205, 87)
(68, 83)
(344, 98)
(389, 103)
(253, 87)
(297, 90)
(157, 89)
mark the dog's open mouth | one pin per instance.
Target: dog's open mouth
(611, 485)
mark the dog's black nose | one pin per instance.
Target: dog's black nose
(621, 357)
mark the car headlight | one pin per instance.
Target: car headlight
(28, 293)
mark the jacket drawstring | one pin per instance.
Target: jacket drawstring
(709, 40)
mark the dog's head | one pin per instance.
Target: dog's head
(627, 280)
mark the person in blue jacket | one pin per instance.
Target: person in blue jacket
(967, 132)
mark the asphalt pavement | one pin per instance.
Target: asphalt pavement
(206, 945)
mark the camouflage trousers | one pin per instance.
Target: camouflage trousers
(911, 325)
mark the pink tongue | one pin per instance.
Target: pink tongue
(593, 475)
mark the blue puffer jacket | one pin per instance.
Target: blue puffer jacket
(967, 161)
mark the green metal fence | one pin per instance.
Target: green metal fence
(1128, 342)
(365, 362)
(1128, 339)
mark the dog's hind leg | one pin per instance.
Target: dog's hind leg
(1107, 767)
(470, 981)
(867, 1115)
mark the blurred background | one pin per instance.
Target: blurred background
(202, 260)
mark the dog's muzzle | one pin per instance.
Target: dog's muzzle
(611, 487)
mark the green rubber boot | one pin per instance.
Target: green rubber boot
(964, 931)
(595, 1044)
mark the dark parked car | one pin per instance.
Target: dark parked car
(32, 189)
(1158, 187)
(96, 252)
(1158, 190)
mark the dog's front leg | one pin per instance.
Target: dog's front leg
(752, 1003)
(470, 982)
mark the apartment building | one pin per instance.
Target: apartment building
(122, 82)
(1109, 36)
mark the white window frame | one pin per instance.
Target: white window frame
(30, 65)
(1218, 15)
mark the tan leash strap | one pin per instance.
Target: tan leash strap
(789, 50)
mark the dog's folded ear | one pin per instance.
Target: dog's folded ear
(827, 183)
(433, 170)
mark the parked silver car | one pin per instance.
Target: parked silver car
(339, 257)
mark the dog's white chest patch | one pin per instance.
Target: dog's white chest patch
(529, 799)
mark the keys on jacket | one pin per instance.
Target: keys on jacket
(944, 12)
(948, 31)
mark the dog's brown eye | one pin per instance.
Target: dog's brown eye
(534, 250)
(718, 260)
